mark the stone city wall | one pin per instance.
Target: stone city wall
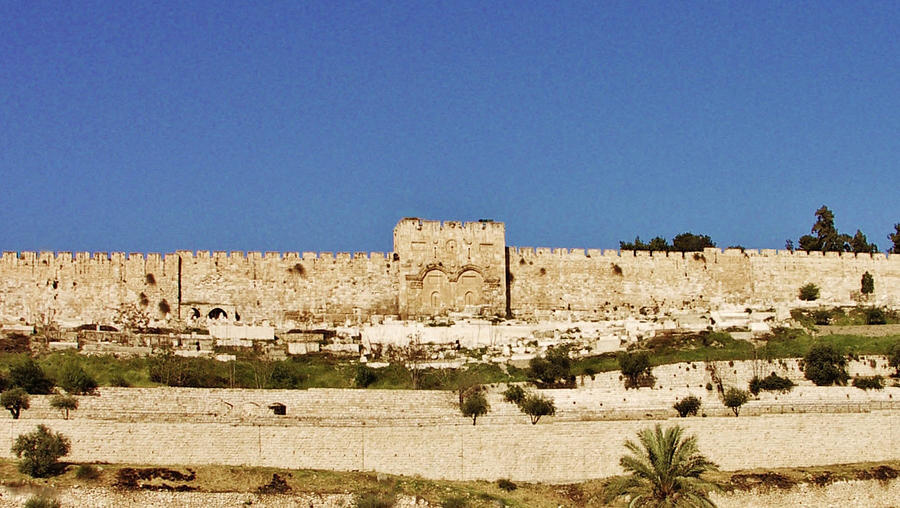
(557, 452)
(436, 268)
(603, 283)
(283, 289)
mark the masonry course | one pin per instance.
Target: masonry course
(436, 268)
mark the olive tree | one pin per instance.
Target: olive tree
(734, 398)
(474, 405)
(15, 400)
(40, 450)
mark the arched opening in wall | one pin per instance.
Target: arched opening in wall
(435, 292)
(469, 289)
(435, 300)
(195, 313)
(217, 313)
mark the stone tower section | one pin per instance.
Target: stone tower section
(451, 267)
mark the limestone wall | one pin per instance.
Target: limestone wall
(558, 452)
(282, 289)
(435, 268)
(597, 283)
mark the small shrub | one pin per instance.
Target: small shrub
(894, 359)
(734, 398)
(454, 502)
(365, 376)
(688, 406)
(119, 380)
(506, 485)
(41, 502)
(773, 382)
(514, 394)
(821, 317)
(87, 472)
(14, 401)
(39, 451)
(164, 307)
(373, 500)
(868, 382)
(76, 381)
(875, 317)
(809, 292)
(867, 284)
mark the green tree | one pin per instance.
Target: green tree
(636, 369)
(734, 398)
(664, 470)
(824, 366)
(808, 292)
(658, 244)
(536, 406)
(867, 284)
(514, 394)
(28, 375)
(689, 242)
(825, 236)
(474, 405)
(859, 244)
(75, 380)
(64, 403)
(895, 239)
(554, 367)
(15, 400)
(894, 359)
(40, 450)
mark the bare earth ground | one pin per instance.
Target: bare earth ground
(850, 485)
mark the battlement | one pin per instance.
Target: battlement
(28, 258)
(710, 252)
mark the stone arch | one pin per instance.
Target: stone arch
(436, 291)
(469, 288)
(217, 313)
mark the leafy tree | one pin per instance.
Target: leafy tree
(867, 284)
(64, 403)
(514, 394)
(76, 381)
(688, 406)
(825, 236)
(39, 451)
(894, 359)
(689, 242)
(636, 369)
(734, 398)
(664, 470)
(895, 239)
(824, 366)
(474, 405)
(808, 292)
(554, 367)
(28, 375)
(536, 406)
(15, 400)
(858, 244)
(789, 245)
(658, 244)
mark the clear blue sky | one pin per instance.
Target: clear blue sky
(308, 125)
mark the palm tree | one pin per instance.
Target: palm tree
(665, 470)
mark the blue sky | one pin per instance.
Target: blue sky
(298, 126)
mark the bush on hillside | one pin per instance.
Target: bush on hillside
(40, 450)
(636, 369)
(773, 382)
(868, 382)
(808, 292)
(688, 406)
(824, 366)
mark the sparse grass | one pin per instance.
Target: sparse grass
(437, 492)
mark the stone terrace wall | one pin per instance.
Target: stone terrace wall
(281, 289)
(596, 283)
(558, 452)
